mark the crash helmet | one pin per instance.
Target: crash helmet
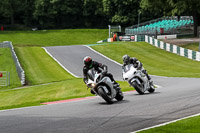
(88, 61)
(126, 59)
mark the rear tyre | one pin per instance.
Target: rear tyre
(119, 96)
(103, 94)
(138, 88)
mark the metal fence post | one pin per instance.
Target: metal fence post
(109, 30)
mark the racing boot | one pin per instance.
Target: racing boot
(149, 78)
(115, 84)
(150, 81)
(92, 92)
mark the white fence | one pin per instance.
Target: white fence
(173, 48)
(19, 69)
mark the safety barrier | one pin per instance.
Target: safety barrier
(20, 71)
(173, 48)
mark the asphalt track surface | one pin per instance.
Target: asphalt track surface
(72, 58)
(177, 98)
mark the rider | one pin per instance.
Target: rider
(99, 67)
(136, 63)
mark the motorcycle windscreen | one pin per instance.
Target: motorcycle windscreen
(127, 68)
(91, 74)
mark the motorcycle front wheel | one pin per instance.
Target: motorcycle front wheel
(138, 88)
(104, 95)
(152, 89)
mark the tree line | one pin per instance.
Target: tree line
(91, 13)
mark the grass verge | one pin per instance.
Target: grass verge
(155, 60)
(192, 46)
(190, 125)
(54, 37)
(7, 64)
(30, 96)
(39, 66)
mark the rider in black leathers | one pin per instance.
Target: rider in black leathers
(99, 67)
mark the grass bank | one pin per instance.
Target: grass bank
(54, 37)
(31, 96)
(40, 68)
(155, 60)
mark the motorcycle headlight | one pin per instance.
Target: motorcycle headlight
(93, 85)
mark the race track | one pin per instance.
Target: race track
(72, 58)
(176, 98)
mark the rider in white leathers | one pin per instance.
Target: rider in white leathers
(136, 63)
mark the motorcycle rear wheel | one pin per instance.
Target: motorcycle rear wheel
(103, 94)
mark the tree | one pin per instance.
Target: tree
(58, 13)
(93, 13)
(123, 12)
(187, 7)
(28, 10)
(174, 7)
(11, 8)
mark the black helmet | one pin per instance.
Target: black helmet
(126, 59)
(88, 61)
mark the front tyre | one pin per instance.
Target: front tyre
(119, 96)
(138, 88)
(152, 89)
(103, 94)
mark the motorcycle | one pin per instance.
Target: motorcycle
(137, 79)
(102, 85)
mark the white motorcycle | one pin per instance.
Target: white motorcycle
(137, 79)
(103, 86)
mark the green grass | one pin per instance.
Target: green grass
(192, 46)
(30, 96)
(34, 60)
(54, 37)
(190, 125)
(155, 60)
(39, 67)
(7, 64)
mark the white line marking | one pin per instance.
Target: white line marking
(158, 86)
(163, 124)
(102, 55)
(60, 63)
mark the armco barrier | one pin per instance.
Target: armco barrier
(20, 71)
(173, 48)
